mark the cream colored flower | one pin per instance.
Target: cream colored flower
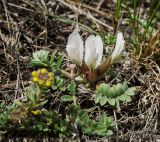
(75, 47)
(93, 49)
(119, 48)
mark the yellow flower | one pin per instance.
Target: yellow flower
(48, 83)
(44, 71)
(38, 71)
(50, 74)
(41, 82)
(35, 79)
(36, 112)
(34, 73)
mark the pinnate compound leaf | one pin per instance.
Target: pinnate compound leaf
(114, 94)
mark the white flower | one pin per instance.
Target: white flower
(93, 49)
(75, 47)
(119, 48)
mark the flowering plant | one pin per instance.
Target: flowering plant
(89, 55)
(43, 77)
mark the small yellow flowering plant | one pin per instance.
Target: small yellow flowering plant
(43, 77)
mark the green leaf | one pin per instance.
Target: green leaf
(72, 88)
(120, 88)
(97, 98)
(121, 98)
(104, 120)
(130, 91)
(43, 103)
(67, 98)
(59, 61)
(103, 100)
(109, 133)
(124, 87)
(103, 89)
(101, 131)
(31, 93)
(45, 129)
(57, 83)
(41, 55)
(128, 98)
(52, 58)
(88, 130)
(111, 92)
(40, 58)
(73, 109)
(82, 118)
(116, 90)
(54, 87)
(112, 102)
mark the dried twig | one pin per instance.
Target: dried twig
(86, 13)
(99, 4)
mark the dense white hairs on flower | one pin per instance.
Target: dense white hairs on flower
(75, 47)
(93, 51)
(119, 47)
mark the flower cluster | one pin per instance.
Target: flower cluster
(43, 77)
(88, 55)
